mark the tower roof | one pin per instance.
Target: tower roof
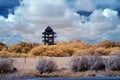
(48, 30)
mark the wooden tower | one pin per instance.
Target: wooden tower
(48, 36)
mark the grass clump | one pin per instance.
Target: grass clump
(79, 63)
(6, 65)
(84, 63)
(46, 65)
(97, 62)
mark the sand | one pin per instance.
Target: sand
(27, 66)
(30, 63)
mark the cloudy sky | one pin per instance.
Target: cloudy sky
(87, 20)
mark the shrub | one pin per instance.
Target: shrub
(115, 63)
(61, 49)
(83, 63)
(3, 54)
(46, 65)
(79, 63)
(97, 62)
(74, 63)
(103, 51)
(37, 51)
(6, 65)
(108, 44)
(2, 45)
(22, 47)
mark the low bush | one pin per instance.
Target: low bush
(60, 49)
(115, 63)
(6, 65)
(97, 62)
(46, 65)
(22, 47)
(83, 63)
(74, 63)
(2, 45)
(79, 63)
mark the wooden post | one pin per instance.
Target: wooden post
(25, 59)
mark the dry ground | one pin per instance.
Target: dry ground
(26, 68)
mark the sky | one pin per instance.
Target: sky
(87, 20)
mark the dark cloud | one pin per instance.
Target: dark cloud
(7, 6)
(84, 13)
(102, 4)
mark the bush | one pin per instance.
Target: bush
(97, 62)
(61, 49)
(79, 63)
(46, 65)
(115, 63)
(109, 44)
(74, 63)
(2, 45)
(3, 54)
(37, 51)
(6, 65)
(22, 47)
(83, 63)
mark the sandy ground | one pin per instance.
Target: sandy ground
(26, 66)
(30, 63)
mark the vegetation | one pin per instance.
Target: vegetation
(95, 62)
(61, 49)
(2, 45)
(46, 65)
(90, 58)
(79, 64)
(6, 65)
(87, 65)
(76, 48)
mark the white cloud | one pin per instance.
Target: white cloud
(101, 26)
(110, 13)
(33, 16)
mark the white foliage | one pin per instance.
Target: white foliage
(46, 65)
(79, 63)
(6, 65)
